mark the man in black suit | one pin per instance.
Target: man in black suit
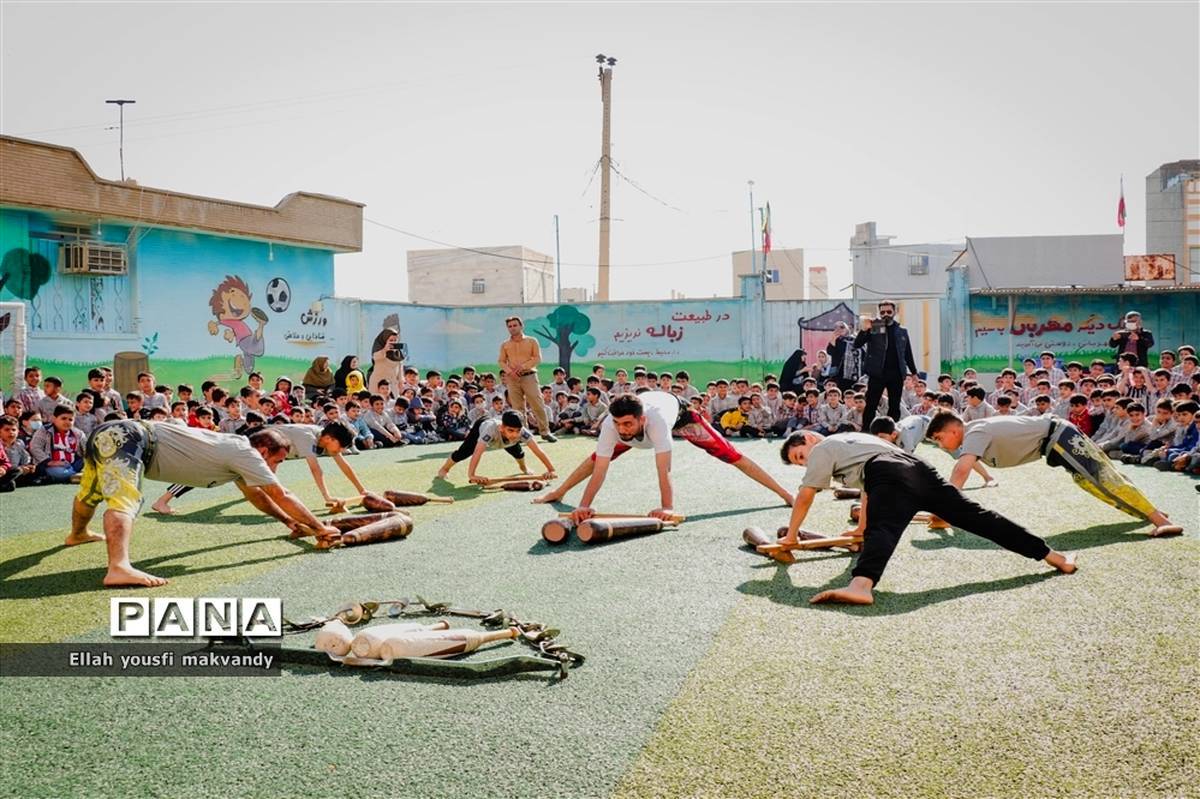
(889, 360)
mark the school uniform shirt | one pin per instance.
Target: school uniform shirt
(50, 445)
(475, 414)
(18, 454)
(86, 423)
(30, 397)
(229, 425)
(46, 406)
(912, 431)
(1003, 441)
(1161, 432)
(774, 403)
(761, 417)
(379, 423)
(155, 400)
(1114, 434)
(489, 436)
(809, 415)
(718, 406)
(590, 414)
(1135, 435)
(689, 391)
(661, 411)
(855, 418)
(843, 456)
(829, 417)
(981, 411)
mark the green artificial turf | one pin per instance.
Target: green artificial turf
(977, 673)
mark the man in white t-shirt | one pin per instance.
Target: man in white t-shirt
(646, 421)
(118, 454)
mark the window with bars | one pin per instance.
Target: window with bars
(772, 275)
(918, 264)
(478, 286)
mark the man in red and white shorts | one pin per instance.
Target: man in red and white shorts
(646, 421)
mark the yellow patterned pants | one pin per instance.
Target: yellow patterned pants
(1094, 472)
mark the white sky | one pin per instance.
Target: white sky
(475, 124)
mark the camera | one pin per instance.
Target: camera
(397, 352)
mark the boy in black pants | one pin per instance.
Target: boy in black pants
(507, 433)
(898, 485)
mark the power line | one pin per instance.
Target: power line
(418, 236)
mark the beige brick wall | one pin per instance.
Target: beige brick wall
(444, 277)
(46, 176)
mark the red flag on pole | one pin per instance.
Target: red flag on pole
(1121, 205)
(766, 230)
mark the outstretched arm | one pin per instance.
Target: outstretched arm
(318, 476)
(662, 463)
(962, 470)
(347, 470)
(542, 456)
(599, 472)
(804, 500)
(480, 448)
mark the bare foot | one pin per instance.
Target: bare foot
(127, 575)
(163, 508)
(442, 475)
(993, 483)
(546, 499)
(850, 595)
(87, 538)
(1166, 530)
(1065, 563)
(938, 524)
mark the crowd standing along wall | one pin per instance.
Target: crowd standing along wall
(198, 306)
(1075, 326)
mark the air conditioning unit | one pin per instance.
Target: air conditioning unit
(92, 258)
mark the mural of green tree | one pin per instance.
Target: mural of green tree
(566, 327)
(23, 272)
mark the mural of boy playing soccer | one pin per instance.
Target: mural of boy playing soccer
(230, 304)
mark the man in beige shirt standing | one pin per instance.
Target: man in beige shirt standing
(519, 359)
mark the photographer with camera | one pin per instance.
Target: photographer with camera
(1134, 339)
(889, 360)
(387, 360)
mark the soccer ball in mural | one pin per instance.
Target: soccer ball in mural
(279, 294)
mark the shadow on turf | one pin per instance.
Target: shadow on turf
(780, 590)
(82, 580)
(1088, 538)
(212, 515)
(367, 675)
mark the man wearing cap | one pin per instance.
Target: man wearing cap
(1002, 441)
(1133, 339)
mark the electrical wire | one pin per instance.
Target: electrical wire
(515, 258)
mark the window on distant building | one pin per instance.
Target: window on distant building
(478, 286)
(772, 275)
(918, 264)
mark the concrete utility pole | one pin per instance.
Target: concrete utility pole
(121, 105)
(606, 67)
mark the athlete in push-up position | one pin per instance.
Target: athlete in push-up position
(646, 421)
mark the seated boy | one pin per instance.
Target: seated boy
(57, 448)
(20, 463)
(85, 419)
(507, 433)
(1179, 454)
(732, 421)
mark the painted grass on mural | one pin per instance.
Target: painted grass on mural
(173, 372)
